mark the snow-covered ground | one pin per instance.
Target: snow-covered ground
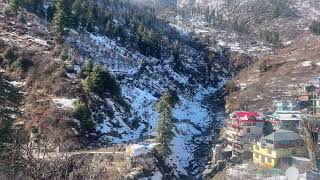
(245, 171)
(156, 176)
(64, 103)
(141, 90)
(140, 149)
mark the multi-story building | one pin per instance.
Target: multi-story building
(314, 101)
(287, 104)
(277, 148)
(288, 120)
(287, 114)
(243, 128)
(311, 99)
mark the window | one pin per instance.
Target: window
(269, 160)
(263, 159)
(257, 148)
(248, 130)
(256, 155)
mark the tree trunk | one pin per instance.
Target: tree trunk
(311, 141)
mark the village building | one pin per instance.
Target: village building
(287, 104)
(288, 120)
(277, 148)
(243, 128)
(314, 102)
(287, 114)
(310, 99)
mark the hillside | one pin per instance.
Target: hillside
(144, 49)
(49, 94)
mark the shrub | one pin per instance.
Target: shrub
(21, 64)
(135, 123)
(64, 55)
(264, 67)
(83, 114)
(315, 27)
(231, 86)
(22, 18)
(62, 69)
(99, 81)
(89, 83)
(86, 69)
(8, 56)
(14, 5)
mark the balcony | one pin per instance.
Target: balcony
(234, 126)
(232, 140)
(234, 132)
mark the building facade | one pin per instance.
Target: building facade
(242, 128)
(288, 120)
(277, 148)
(287, 104)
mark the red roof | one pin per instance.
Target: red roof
(246, 115)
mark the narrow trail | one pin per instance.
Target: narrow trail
(61, 154)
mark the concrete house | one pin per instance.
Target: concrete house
(287, 114)
(277, 148)
(288, 120)
(242, 128)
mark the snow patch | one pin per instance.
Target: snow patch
(140, 149)
(306, 63)
(156, 176)
(63, 103)
(182, 148)
(16, 83)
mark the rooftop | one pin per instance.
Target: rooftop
(287, 115)
(246, 115)
(282, 135)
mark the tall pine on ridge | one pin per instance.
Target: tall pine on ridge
(165, 123)
(60, 17)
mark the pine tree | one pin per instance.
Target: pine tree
(22, 18)
(109, 28)
(100, 81)
(60, 17)
(315, 27)
(14, 6)
(176, 51)
(87, 68)
(64, 55)
(76, 13)
(165, 123)
(35, 6)
(176, 56)
(83, 114)
(210, 61)
(9, 104)
(49, 14)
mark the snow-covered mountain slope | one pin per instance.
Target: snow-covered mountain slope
(143, 79)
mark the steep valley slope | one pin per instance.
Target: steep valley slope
(197, 84)
(49, 96)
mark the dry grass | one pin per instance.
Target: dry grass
(42, 80)
(287, 75)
